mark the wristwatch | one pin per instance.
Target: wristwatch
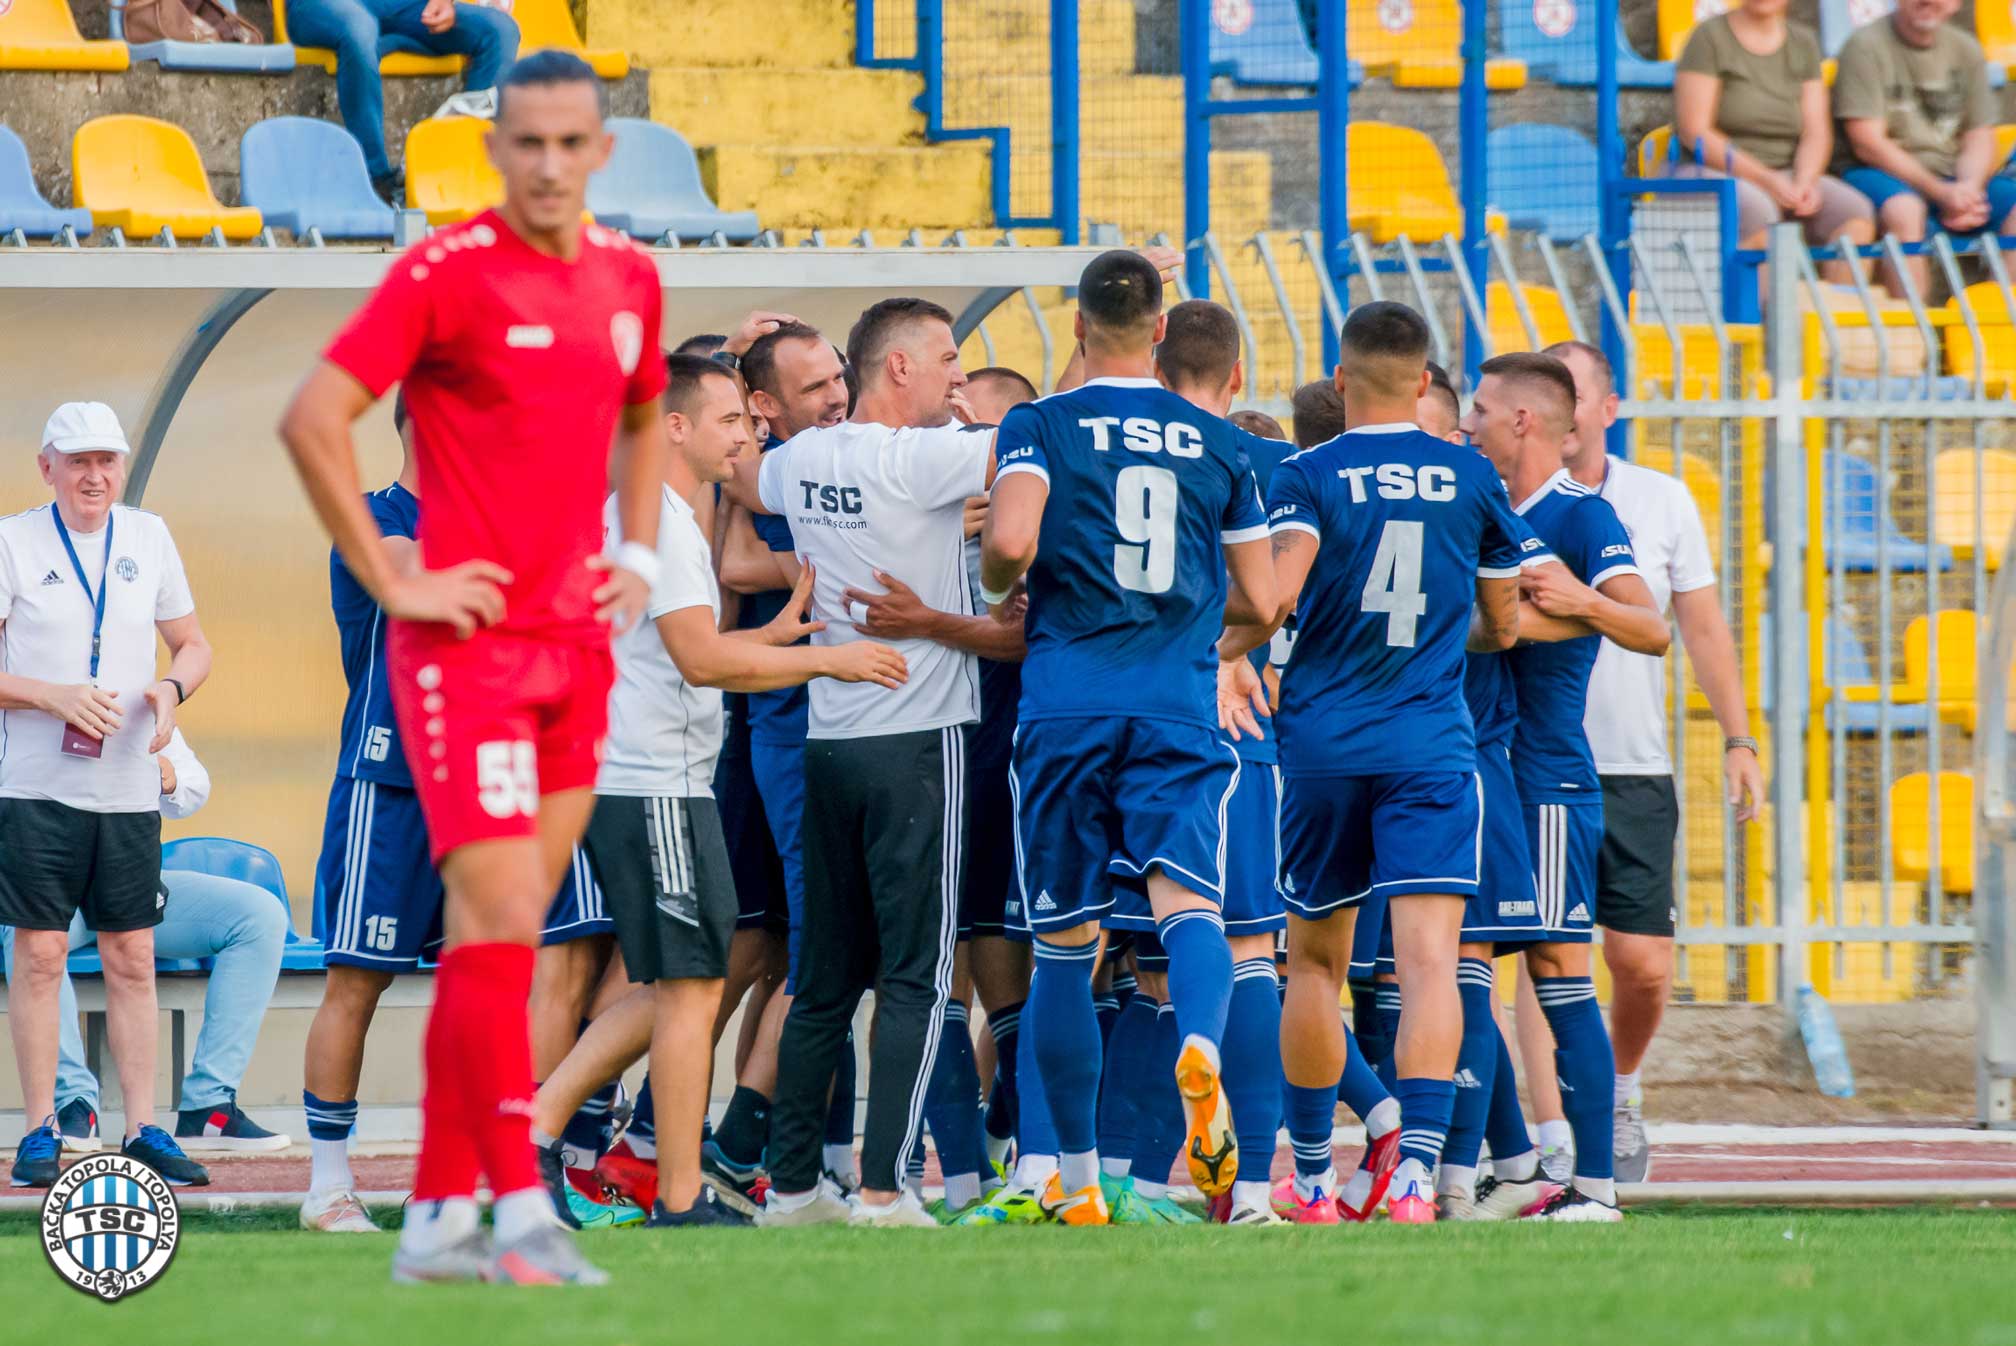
(728, 358)
(1735, 741)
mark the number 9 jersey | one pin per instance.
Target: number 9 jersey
(1127, 593)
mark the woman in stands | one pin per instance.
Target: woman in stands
(1749, 103)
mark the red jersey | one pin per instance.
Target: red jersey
(516, 367)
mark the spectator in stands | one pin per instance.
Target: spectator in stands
(355, 29)
(1918, 126)
(238, 924)
(85, 586)
(1749, 103)
(1317, 413)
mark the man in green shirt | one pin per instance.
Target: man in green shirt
(1917, 126)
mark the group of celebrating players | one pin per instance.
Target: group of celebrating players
(1110, 707)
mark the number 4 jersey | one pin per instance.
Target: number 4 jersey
(1127, 594)
(1406, 524)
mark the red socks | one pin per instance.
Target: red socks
(477, 1111)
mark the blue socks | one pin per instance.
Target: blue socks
(1505, 1124)
(1361, 1089)
(587, 1131)
(1252, 1052)
(1066, 1035)
(1587, 1068)
(1035, 1132)
(1424, 1117)
(1476, 1065)
(328, 1121)
(1001, 1101)
(1158, 1127)
(1311, 1114)
(1388, 1014)
(952, 1101)
(1127, 1051)
(644, 1116)
(1200, 973)
(1106, 1009)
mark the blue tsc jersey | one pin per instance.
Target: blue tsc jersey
(776, 717)
(1487, 678)
(1265, 455)
(1127, 593)
(1550, 753)
(370, 748)
(1406, 524)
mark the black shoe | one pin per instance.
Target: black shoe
(40, 1157)
(224, 1128)
(735, 1185)
(553, 1172)
(78, 1125)
(158, 1150)
(705, 1210)
(391, 188)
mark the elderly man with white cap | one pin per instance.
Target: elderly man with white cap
(85, 585)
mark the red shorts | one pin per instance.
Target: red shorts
(493, 722)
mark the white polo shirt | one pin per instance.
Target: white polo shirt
(47, 635)
(1627, 713)
(664, 733)
(861, 498)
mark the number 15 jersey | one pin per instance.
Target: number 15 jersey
(1406, 524)
(1127, 593)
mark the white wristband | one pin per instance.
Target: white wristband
(640, 561)
(992, 599)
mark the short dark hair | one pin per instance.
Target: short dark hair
(1560, 350)
(549, 67)
(1318, 412)
(1200, 345)
(1120, 291)
(701, 343)
(875, 331)
(1025, 391)
(759, 362)
(1441, 385)
(1258, 423)
(684, 374)
(1542, 372)
(1386, 329)
(402, 415)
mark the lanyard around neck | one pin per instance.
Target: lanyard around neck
(96, 601)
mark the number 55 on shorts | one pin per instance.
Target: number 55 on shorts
(507, 778)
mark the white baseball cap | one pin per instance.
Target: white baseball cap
(84, 427)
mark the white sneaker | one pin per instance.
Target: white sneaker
(1573, 1206)
(1252, 1213)
(466, 1259)
(470, 103)
(827, 1206)
(337, 1212)
(905, 1212)
(1502, 1199)
(1557, 1163)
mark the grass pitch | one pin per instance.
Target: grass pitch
(1697, 1277)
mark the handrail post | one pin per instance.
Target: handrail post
(1064, 130)
(1788, 711)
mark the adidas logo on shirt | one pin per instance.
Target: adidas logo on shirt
(1043, 902)
(1580, 913)
(51, 578)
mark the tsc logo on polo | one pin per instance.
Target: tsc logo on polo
(126, 568)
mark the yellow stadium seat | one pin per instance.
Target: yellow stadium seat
(1995, 25)
(42, 35)
(1654, 150)
(397, 63)
(1911, 829)
(1998, 337)
(143, 175)
(2005, 143)
(1953, 483)
(1508, 333)
(1400, 186)
(1415, 45)
(448, 175)
(547, 23)
(1955, 648)
(1677, 19)
(1701, 482)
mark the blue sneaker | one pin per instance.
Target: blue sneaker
(78, 1124)
(158, 1150)
(39, 1159)
(741, 1189)
(224, 1128)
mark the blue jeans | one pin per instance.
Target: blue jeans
(244, 928)
(1879, 187)
(360, 31)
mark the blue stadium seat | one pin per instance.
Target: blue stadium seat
(1271, 48)
(1544, 178)
(251, 864)
(21, 205)
(226, 58)
(1858, 522)
(305, 174)
(1849, 665)
(652, 187)
(1557, 41)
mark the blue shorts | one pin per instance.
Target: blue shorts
(1879, 187)
(1344, 838)
(1252, 862)
(377, 896)
(1505, 910)
(780, 783)
(1565, 839)
(578, 910)
(1371, 941)
(752, 855)
(1100, 801)
(987, 903)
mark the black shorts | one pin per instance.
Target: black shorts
(663, 867)
(55, 859)
(1634, 866)
(990, 852)
(752, 851)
